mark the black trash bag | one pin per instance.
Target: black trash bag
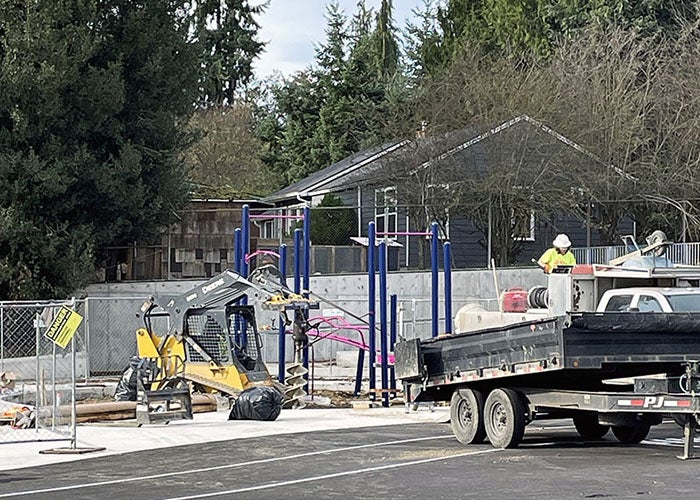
(126, 388)
(257, 403)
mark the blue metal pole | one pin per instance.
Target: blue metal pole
(237, 250)
(371, 234)
(237, 246)
(307, 272)
(307, 249)
(393, 322)
(245, 250)
(283, 264)
(434, 265)
(297, 261)
(447, 263)
(383, 324)
(360, 366)
(282, 332)
(245, 240)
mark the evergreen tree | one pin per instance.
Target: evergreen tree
(226, 33)
(339, 105)
(387, 50)
(530, 28)
(331, 224)
(92, 101)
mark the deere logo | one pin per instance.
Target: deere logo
(212, 286)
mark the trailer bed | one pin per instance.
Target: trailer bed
(556, 353)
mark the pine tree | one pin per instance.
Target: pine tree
(226, 32)
(91, 110)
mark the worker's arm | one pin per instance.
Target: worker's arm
(544, 261)
(540, 265)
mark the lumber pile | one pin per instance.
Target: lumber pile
(124, 410)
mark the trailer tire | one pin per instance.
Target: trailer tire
(467, 416)
(588, 427)
(504, 418)
(631, 434)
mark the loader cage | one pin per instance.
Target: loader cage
(219, 334)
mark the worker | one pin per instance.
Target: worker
(559, 255)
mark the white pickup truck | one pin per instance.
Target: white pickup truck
(650, 299)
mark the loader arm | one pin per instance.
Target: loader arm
(221, 289)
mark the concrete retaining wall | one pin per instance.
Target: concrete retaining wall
(347, 291)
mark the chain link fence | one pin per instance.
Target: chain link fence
(37, 377)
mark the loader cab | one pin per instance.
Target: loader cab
(225, 335)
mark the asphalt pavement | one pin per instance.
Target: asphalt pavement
(408, 456)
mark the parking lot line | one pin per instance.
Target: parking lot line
(337, 474)
(227, 466)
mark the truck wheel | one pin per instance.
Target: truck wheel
(588, 427)
(631, 434)
(467, 416)
(504, 418)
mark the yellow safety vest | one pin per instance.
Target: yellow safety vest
(552, 258)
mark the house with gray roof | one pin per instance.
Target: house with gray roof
(402, 185)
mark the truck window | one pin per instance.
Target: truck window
(649, 304)
(684, 303)
(618, 303)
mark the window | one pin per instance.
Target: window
(523, 223)
(385, 213)
(268, 230)
(649, 304)
(618, 303)
(686, 302)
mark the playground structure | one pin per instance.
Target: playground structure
(295, 376)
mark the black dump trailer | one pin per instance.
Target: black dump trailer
(500, 379)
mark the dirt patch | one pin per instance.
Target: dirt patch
(338, 399)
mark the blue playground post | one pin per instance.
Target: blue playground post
(307, 250)
(383, 324)
(237, 249)
(447, 263)
(372, 306)
(297, 261)
(245, 240)
(282, 331)
(358, 375)
(434, 265)
(393, 322)
(307, 273)
(245, 250)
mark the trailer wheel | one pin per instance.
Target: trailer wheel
(588, 427)
(504, 418)
(631, 434)
(467, 416)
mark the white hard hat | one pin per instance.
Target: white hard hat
(561, 241)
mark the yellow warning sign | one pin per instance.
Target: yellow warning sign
(64, 326)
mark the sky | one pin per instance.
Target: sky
(292, 28)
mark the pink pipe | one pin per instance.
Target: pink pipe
(339, 338)
(404, 233)
(261, 252)
(297, 217)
